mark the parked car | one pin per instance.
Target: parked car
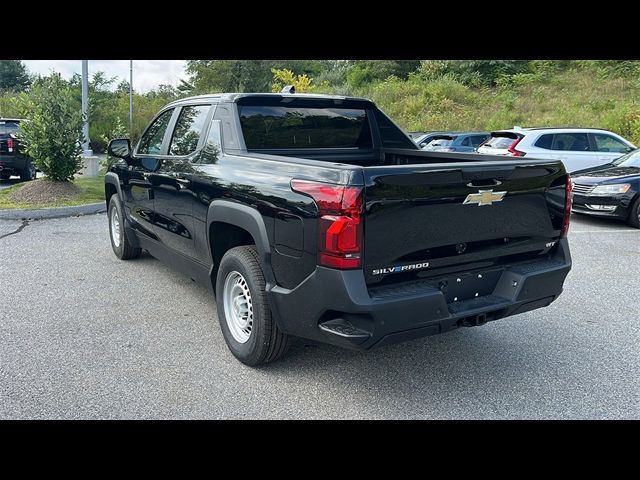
(611, 190)
(458, 142)
(13, 161)
(578, 148)
(316, 216)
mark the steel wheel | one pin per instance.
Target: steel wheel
(115, 228)
(238, 308)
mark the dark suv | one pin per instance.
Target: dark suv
(13, 161)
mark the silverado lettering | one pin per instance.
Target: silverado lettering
(398, 269)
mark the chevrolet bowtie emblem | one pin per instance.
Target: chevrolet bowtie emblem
(484, 197)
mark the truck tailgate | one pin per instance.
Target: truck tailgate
(425, 219)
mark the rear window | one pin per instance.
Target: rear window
(499, 142)
(440, 142)
(7, 128)
(276, 127)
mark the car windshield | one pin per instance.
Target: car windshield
(630, 160)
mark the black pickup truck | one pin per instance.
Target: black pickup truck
(316, 216)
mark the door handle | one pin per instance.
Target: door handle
(489, 182)
(183, 182)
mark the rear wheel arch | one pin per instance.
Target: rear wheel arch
(231, 225)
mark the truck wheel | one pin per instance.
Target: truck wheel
(29, 173)
(243, 311)
(634, 214)
(119, 241)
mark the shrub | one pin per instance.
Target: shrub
(52, 134)
(284, 77)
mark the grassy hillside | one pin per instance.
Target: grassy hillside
(584, 97)
(419, 95)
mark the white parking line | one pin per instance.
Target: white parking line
(603, 231)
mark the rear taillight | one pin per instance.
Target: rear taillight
(567, 208)
(512, 149)
(339, 222)
(11, 144)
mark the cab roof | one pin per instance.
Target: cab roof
(235, 97)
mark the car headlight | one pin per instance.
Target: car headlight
(609, 189)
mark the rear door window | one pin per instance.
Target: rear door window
(574, 142)
(607, 143)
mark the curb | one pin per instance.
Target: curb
(57, 212)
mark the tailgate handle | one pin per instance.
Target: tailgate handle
(486, 182)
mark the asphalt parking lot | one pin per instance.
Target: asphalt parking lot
(84, 335)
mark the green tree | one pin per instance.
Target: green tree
(209, 76)
(13, 76)
(367, 71)
(52, 134)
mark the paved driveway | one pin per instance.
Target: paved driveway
(84, 335)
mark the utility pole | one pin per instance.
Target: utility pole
(87, 152)
(130, 98)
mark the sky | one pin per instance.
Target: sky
(147, 74)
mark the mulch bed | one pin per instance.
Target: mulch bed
(43, 191)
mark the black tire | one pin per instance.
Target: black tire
(266, 342)
(124, 250)
(29, 173)
(634, 214)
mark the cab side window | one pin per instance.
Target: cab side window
(213, 145)
(189, 126)
(151, 142)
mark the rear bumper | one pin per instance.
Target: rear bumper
(12, 163)
(334, 306)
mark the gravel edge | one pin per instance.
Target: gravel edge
(57, 212)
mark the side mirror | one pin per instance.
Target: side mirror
(423, 144)
(119, 148)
